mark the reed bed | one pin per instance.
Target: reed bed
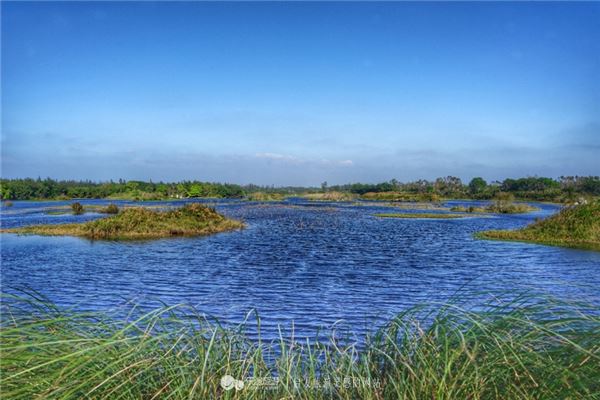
(525, 348)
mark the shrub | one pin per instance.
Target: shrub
(77, 208)
(111, 209)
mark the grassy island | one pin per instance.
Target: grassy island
(575, 226)
(420, 215)
(329, 196)
(516, 208)
(141, 223)
(264, 196)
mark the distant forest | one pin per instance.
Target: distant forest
(530, 188)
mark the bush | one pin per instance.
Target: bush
(77, 208)
(111, 209)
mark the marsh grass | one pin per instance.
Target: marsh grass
(523, 348)
(498, 208)
(574, 226)
(421, 215)
(329, 196)
(142, 223)
(263, 196)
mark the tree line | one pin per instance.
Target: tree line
(533, 188)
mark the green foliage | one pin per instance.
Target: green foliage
(420, 215)
(141, 223)
(524, 348)
(110, 209)
(566, 189)
(477, 185)
(262, 196)
(574, 226)
(77, 208)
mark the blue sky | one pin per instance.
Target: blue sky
(300, 93)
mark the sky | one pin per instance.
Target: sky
(299, 93)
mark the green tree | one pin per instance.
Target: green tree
(477, 185)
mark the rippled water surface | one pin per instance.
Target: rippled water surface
(311, 263)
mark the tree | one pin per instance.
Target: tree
(477, 185)
(195, 190)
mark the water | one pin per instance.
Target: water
(316, 264)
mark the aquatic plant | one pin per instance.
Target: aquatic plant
(420, 215)
(262, 196)
(329, 196)
(499, 207)
(77, 208)
(525, 348)
(574, 226)
(110, 209)
(142, 223)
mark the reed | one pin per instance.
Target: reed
(526, 348)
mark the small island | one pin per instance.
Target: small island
(420, 215)
(496, 208)
(141, 223)
(574, 226)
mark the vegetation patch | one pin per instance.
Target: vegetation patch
(497, 208)
(263, 196)
(329, 196)
(421, 215)
(515, 349)
(142, 223)
(574, 226)
(401, 196)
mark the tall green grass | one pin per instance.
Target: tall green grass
(574, 226)
(525, 349)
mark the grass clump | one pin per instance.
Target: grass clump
(525, 349)
(263, 196)
(329, 196)
(77, 208)
(497, 208)
(420, 215)
(402, 196)
(109, 209)
(141, 223)
(575, 226)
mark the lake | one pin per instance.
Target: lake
(316, 264)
